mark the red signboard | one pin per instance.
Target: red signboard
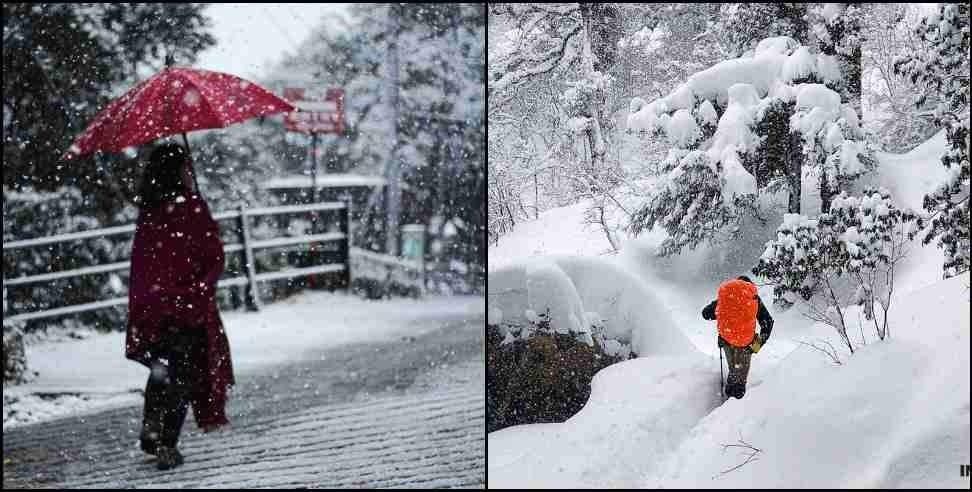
(316, 112)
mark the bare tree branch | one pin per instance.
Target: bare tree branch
(750, 456)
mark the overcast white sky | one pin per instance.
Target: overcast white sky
(251, 36)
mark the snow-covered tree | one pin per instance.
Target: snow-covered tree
(740, 26)
(776, 115)
(29, 213)
(577, 40)
(890, 118)
(836, 28)
(942, 65)
(853, 248)
(64, 62)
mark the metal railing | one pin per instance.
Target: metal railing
(387, 269)
(246, 245)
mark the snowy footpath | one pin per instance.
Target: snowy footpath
(333, 391)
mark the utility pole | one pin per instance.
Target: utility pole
(393, 171)
(314, 167)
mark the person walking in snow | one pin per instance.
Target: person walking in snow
(736, 310)
(174, 327)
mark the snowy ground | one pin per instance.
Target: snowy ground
(387, 413)
(895, 414)
(79, 376)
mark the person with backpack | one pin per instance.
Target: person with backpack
(736, 311)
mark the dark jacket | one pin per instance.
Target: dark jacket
(763, 316)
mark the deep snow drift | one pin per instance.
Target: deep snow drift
(895, 414)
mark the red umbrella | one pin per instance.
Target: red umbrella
(176, 100)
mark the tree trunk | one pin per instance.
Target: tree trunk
(826, 192)
(794, 175)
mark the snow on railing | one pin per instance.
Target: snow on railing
(246, 245)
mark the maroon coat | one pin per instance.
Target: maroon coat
(177, 258)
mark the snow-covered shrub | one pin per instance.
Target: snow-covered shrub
(14, 358)
(942, 65)
(30, 214)
(857, 243)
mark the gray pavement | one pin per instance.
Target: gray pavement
(404, 413)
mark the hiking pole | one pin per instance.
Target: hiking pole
(722, 386)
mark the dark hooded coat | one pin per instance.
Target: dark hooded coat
(177, 258)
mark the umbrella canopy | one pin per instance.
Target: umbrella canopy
(174, 101)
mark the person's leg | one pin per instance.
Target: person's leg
(155, 400)
(738, 359)
(175, 402)
(185, 352)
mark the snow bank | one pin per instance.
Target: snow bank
(646, 118)
(573, 286)
(550, 290)
(637, 412)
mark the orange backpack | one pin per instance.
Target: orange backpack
(736, 309)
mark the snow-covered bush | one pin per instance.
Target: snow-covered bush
(30, 214)
(14, 358)
(942, 65)
(858, 243)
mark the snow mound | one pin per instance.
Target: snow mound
(573, 286)
(549, 289)
(636, 413)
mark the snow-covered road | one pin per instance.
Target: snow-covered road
(404, 411)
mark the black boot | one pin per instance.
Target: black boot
(169, 457)
(156, 398)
